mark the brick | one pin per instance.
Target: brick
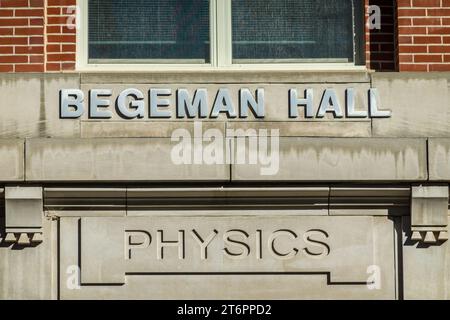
(404, 22)
(426, 21)
(57, 20)
(69, 29)
(438, 30)
(29, 68)
(53, 67)
(61, 57)
(412, 13)
(37, 59)
(6, 50)
(419, 58)
(11, 22)
(29, 13)
(413, 49)
(13, 59)
(440, 67)
(54, 29)
(405, 39)
(406, 58)
(37, 22)
(438, 12)
(61, 38)
(29, 50)
(412, 30)
(426, 3)
(53, 11)
(28, 31)
(6, 68)
(36, 40)
(13, 3)
(13, 40)
(36, 3)
(6, 31)
(53, 48)
(69, 48)
(404, 3)
(68, 66)
(6, 13)
(413, 67)
(61, 2)
(427, 39)
(439, 49)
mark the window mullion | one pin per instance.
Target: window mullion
(82, 34)
(223, 33)
(213, 32)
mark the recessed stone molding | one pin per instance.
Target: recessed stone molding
(23, 215)
(429, 213)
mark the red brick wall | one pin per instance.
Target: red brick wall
(33, 39)
(381, 43)
(22, 35)
(424, 35)
(61, 35)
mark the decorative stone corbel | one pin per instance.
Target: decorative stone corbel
(23, 215)
(429, 214)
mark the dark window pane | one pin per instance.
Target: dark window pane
(293, 29)
(149, 29)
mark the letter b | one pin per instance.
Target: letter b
(71, 103)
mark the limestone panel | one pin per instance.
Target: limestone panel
(425, 267)
(112, 160)
(439, 159)
(234, 257)
(11, 160)
(419, 105)
(333, 159)
(28, 272)
(29, 106)
(344, 129)
(147, 129)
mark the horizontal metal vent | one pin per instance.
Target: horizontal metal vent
(184, 199)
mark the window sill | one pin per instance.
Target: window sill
(319, 67)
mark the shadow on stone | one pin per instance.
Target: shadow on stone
(406, 229)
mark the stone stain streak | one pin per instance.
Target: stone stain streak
(42, 117)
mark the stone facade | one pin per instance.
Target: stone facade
(97, 209)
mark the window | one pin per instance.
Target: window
(296, 30)
(143, 30)
(223, 33)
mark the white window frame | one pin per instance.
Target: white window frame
(220, 55)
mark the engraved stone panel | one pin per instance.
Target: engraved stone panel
(239, 256)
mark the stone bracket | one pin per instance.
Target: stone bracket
(429, 213)
(23, 215)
